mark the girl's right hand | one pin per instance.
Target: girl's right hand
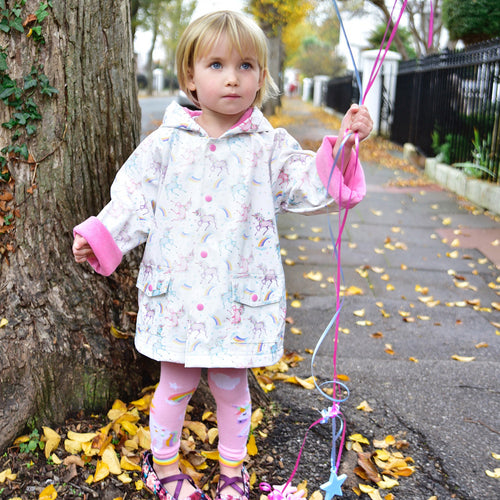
(81, 249)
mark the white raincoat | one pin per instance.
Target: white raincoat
(211, 282)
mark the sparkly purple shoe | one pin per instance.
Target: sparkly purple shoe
(155, 485)
(243, 490)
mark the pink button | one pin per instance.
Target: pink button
(254, 297)
(212, 147)
(200, 307)
(208, 198)
(204, 254)
(150, 288)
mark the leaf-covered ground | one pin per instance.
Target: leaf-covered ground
(98, 456)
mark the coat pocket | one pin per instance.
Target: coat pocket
(153, 282)
(256, 291)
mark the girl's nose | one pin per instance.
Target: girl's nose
(231, 78)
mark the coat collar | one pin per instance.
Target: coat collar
(179, 117)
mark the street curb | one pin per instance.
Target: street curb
(482, 193)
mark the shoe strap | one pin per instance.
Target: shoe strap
(180, 478)
(225, 481)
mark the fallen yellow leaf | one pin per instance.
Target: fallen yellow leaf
(52, 440)
(81, 437)
(387, 483)
(360, 313)
(48, 493)
(72, 447)
(296, 303)
(313, 275)
(358, 438)
(364, 406)
(110, 458)
(101, 471)
(210, 455)
(4, 322)
(144, 438)
(372, 492)
(212, 433)
(7, 475)
(364, 322)
(124, 478)
(495, 474)
(199, 428)
(316, 495)
(256, 418)
(463, 359)
(252, 446)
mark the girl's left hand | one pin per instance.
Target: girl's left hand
(357, 120)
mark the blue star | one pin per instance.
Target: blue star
(333, 485)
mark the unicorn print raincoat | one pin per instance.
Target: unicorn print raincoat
(211, 283)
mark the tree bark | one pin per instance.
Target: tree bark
(57, 354)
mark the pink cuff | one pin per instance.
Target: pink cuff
(107, 254)
(347, 191)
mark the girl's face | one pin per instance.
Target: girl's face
(225, 83)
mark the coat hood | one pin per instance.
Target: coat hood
(177, 116)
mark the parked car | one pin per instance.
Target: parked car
(184, 101)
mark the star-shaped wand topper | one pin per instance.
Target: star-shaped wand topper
(333, 486)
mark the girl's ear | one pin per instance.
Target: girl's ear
(190, 81)
(262, 77)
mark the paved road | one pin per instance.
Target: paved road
(152, 112)
(400, 361)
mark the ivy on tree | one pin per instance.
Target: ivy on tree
(21, 96)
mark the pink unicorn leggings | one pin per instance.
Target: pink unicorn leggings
(177, 384)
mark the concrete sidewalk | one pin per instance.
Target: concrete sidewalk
(428, 266)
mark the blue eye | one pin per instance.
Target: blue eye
(246, 66)
(216, 65)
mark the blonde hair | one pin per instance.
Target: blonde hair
(205, 32)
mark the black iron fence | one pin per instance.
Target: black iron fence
(341, 93)
(446, 104)
(449, 104)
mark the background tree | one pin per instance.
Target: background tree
(472, 21)
(417, 15)
(174, 21)
(377, 36)
(310, 45)
(148, 16)
(275, 17)
(61, 152)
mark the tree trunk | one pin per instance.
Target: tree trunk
(275, 64)
(57, 354)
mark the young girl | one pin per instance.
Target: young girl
(203, 192)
